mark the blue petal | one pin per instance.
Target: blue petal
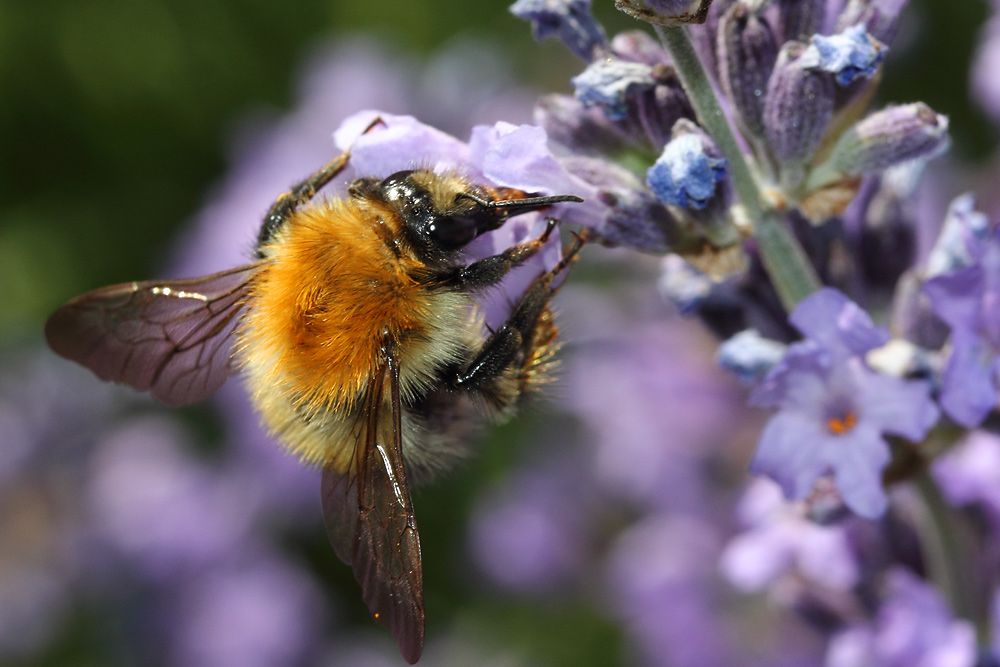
(849, 55)
(607, 83)
(569, 20)
(684, 175)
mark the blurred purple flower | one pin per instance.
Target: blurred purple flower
(985, 83)
(913, 628)
(968, 300)
(159, 506)
(660, 575)
(970, 472)
(833, 409)
(653, 402)
(262, 613)
(529, 535)
(781, 539)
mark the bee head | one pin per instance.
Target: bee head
(444, 212)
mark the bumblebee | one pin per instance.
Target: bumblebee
(357, 330)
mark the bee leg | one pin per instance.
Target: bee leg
(287, 202)
(523, 338)
(490, 270)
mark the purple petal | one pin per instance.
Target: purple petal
(969, 390)
(837, 323)
(860, 457)
(902, 407)
(955, 297)
(787, 453)
(399, 142)
(799, 378)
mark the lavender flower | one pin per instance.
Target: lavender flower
(780, 539)
(686, 174)
(966, 299)
(848, 55)
(609, 83)
(833, 410)
(913, 627)
(569, 20)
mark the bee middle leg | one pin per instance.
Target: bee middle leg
(288, 202)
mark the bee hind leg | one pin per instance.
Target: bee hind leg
(519, 349)
(288, 202)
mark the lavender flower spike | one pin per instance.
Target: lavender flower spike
(569, 20)
(833, 410)
(686, 173)
(885, 138)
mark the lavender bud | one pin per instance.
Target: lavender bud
(749, 356)
(637, 220)
(848, 55)
(885, 138)
(607, 83)
(659, 108)
(638, 47)
(800, 19)
(666, 12)
(630, 216)
(581, 130)
(798, 107)
(746, 51)
(703, 36)
(569, 20)
(687, 171)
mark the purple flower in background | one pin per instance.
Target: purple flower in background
(984, 82)
(970, 472)
(260, 613)
(833, 410)
(781, 538)
(913, 628)
(968, 300)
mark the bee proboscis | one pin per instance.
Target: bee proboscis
(356, 328)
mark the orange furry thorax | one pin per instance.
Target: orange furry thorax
(337, 282)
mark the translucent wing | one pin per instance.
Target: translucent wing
(369, 517)
(171, 337)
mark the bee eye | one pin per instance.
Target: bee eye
(452, 231)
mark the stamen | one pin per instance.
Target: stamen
(843, 424)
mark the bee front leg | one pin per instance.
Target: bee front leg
(288, 202)
(490, 270)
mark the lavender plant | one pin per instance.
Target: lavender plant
(739, 168)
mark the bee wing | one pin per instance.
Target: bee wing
(369, 518)
(170, 337)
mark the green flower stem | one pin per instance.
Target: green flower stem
(946, 541)
(785, 261)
